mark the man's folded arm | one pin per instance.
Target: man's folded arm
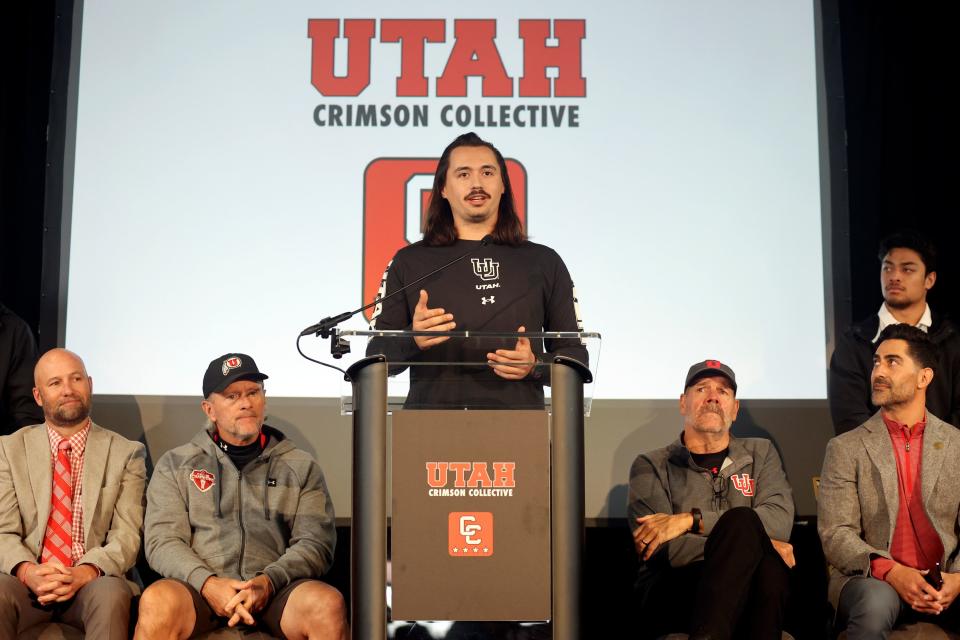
(648, 496)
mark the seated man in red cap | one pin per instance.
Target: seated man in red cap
(710, 515)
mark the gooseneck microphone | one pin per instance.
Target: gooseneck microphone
(325, 326)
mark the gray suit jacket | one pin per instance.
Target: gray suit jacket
(114, 473)
(859, 496)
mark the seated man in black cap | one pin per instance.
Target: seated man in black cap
(710, 515)
(240, 523)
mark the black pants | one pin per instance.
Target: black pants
(738, 591)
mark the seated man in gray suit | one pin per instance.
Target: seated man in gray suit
(710, 516)
(890, 500)
(71, 509)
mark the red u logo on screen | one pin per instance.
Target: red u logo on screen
(396, 195)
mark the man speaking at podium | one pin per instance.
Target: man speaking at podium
(507, 284)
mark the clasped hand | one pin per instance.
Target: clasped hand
(237, 600)
(53, 582)
(913, 589)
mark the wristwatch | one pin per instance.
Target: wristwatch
(697, 520)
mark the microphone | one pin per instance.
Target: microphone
(324, 327)
(719, 489)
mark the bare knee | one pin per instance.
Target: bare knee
(315, 610)
(330, 606)
(165, 611)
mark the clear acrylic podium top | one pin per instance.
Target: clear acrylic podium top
(458, 373)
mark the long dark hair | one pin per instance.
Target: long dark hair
(439, 230)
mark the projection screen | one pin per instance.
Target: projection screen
(240, 168)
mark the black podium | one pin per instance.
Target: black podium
(469, 383)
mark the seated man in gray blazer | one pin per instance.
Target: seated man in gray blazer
(890, 500)
(71, 510)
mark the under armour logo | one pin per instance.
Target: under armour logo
(486, 269)
(744, 484)
(489, 300)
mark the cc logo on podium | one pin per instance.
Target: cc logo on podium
(470, 534)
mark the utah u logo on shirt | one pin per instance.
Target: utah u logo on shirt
(744, 484)
(486, 269)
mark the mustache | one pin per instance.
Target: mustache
(477, 192)
(711, 408)
(880, 380)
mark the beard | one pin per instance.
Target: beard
(69, 415)
(899, 305)
(241, 434)
(891, 394)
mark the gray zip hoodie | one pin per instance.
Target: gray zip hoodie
(668, 481)
(205, 518)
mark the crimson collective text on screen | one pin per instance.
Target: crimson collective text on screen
(450, 115)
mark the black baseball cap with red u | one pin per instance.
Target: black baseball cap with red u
(227, 369)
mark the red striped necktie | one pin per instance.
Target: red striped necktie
(58, 539)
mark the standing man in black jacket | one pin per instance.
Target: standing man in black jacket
(907, 273)
(18, 355)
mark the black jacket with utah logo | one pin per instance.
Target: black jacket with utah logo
(496, 288)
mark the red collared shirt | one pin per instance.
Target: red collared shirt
(78, 443)
(915, 543)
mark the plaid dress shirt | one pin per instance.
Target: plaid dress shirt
(78, 442)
